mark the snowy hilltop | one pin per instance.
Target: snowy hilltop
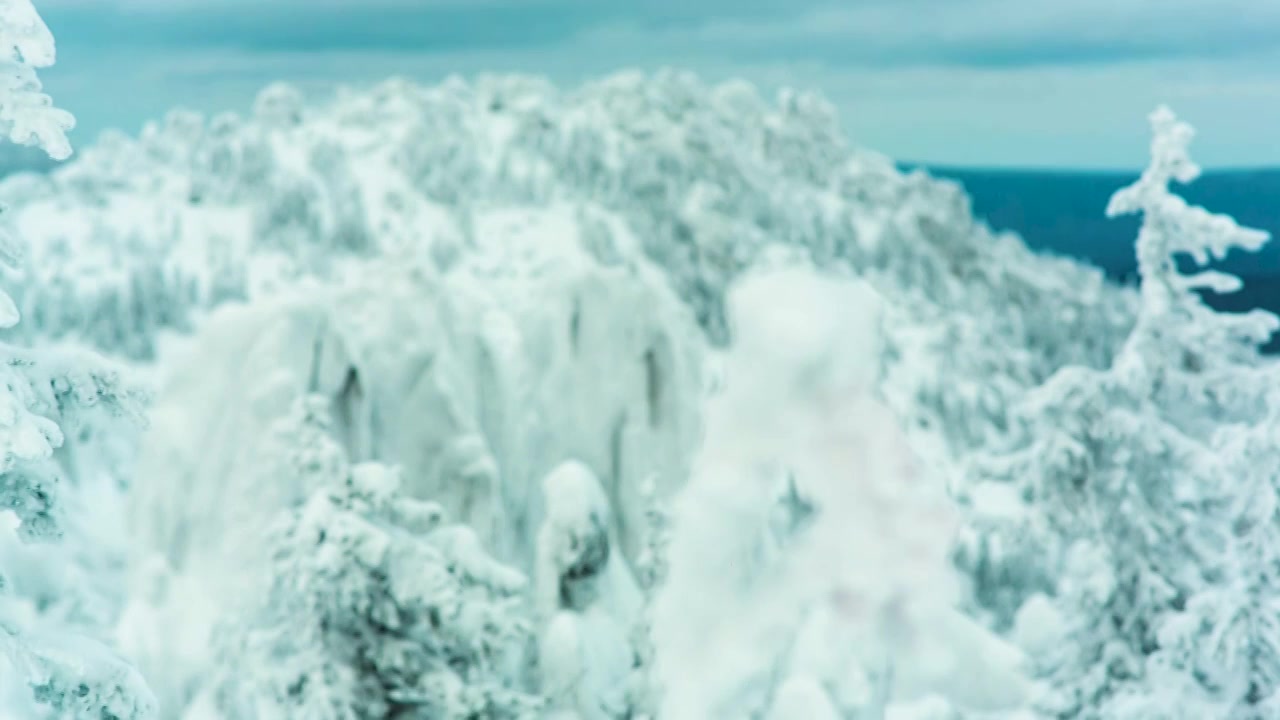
(484, 282)
(647, 398)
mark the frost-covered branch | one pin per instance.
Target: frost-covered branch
(27, 115)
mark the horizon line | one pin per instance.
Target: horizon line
(1039, 169)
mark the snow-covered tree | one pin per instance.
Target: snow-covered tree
(66, 675)
(1158, 473)
(377, 608)
(1222, 640)
(1226, 637)
(1182, 349)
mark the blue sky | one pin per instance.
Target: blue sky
(1060, 83)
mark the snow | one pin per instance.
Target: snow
(862, 533)
(667, 401)
(1038, 627)
(500, 327)
(27, 115)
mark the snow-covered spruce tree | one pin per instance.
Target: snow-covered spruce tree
(378, 608)
(45, 671)
(1227, 637)
(1223, 640)
(1159, 474)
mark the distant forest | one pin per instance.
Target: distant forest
(1059, 211)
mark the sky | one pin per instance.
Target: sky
(988, 83)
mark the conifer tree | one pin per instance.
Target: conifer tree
(1159, 473)
(45, 670)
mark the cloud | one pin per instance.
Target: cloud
(335, 25)
(870, 33)
(952, 81)
(318, 27)
(980, 33)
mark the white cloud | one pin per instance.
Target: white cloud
(999, 33)
(931, 80)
